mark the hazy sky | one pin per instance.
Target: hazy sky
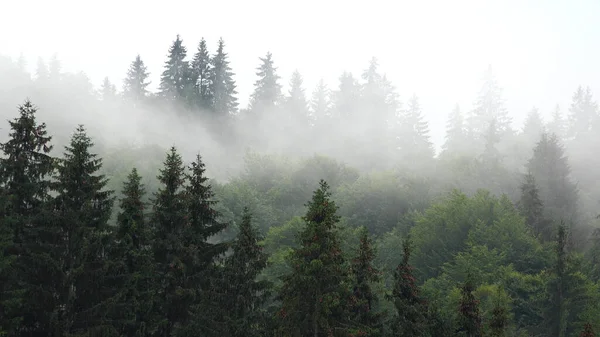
(540, 50)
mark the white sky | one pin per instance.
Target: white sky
(540, 50)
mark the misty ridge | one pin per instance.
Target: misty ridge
(324, 211)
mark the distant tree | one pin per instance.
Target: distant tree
(410, 306)
(245, 294)
(200, 76)
(533, 127)
(532, 208)
(491, 156)
(456, 134)
(223, 87)
(557, 124)
(85, 206)
(267, 90)
(175, 79)
(108, 91)
(346, 98)
(26, 280)
(414, 136)
(313, 293)
(551, 170)
(583, 113)
(296, 103)
(55, 69)
(41, 72)
(364, 300)
(469, 321)
(320, 103)
(136, 83)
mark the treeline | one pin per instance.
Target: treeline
(483, 267)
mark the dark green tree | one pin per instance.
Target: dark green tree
(135, 87)
(532, 208)
(175, 82)
(84, 207)
(469, 320)
(499, 321)
(200, 72)
(27, 260)
(363, 301)
(245, 294)
(313, 293)
(131, 268)
(223, 87)
(410, 306)
(169, 219)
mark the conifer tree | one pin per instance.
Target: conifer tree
(583, 113)
(557, 124)
(26, 282)
(245, 293)
(55, 69)
(313, 293)
(409, 305)
(414, 135)
(489, 106)
(346, 97)
(532, 208)
(320, 103)
(491, 156)
(41, 72)
(555, 314)
(136, 83)
(297, 104)
(169, 219)
(175, 79)
(223, 87)
(469, 321)
(456, 137)
(533, 127)
(267, 90)
(131, 263)
(108, 91)
(364, 300)
(84, 207)
(200, 76)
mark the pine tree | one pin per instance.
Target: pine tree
(588, 331)
(364, 299)
(28, 242)
(267, 90)
(200, 71)
(312, 295)
(108, 91)
(583, 113)
(532, 208)
(223, 87)
(136, 83)
(84, 207)
(245, 293)
(175, 79)
(131, 263)
(409, 305)
(551, 169)
(456, 137)
(469, 321)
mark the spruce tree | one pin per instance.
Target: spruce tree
(108, 91)
(346, 97)
(84, 207)
(29, 240)
(414, 135)
(131, 263)
(320, 104)
(533, 127)
(313, 293)
(267, 90)
(136, 83)
(410, 306)
(223, 87)
(583, 113)
(363, 300)
(557, 124)
(200, 71)
(456, 137)
(175, 79)
(555, 313)
(469, 320)
(296, 104)
(169, 219)
(245, 294)
(532, 208)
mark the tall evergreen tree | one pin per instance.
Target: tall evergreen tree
(532, 208)
(364, 300)
(26, 278)
(583, 113)
(533, 128)
(172, 300)
(414, 135)
(456, 134)
(312, 294)
(108, 91)
(175, 79)
(320, 103)
(557, 124)
(410, 306)
(267, 90)
(131, 264)
(200, 71)
(223, 87)
(245, 293)
(136, 83)
(296, 103)
(84, 205)
(469, 321)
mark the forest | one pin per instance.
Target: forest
(179, 213)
